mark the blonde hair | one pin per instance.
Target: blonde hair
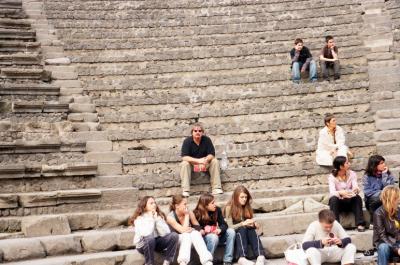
(389, 195)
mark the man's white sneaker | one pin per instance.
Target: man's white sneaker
(244, 261)
(217, 191)
(185, 194)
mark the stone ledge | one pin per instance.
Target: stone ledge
(38, 107)
(29, 89)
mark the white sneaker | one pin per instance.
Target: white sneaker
(185, 194)
(217, 191)
(208, 263)
(260, 260)
(244, 261)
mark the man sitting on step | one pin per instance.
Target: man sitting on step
(198, 155)
(329, 58)
(302, 61)
(326, 241)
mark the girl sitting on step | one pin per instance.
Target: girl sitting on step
(183, 221)
(152, 232)
(239, 216)
(344, 192)
(214, 227)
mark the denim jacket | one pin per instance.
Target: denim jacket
(373, 185)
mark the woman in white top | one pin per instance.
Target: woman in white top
(152, 233)
(331, 142)
(183, 221)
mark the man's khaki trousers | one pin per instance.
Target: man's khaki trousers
(212, 168)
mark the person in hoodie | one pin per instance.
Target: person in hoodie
(377, 176)
(214, 228)
(152, 233)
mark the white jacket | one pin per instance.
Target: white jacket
(146, 225)
(326, 145)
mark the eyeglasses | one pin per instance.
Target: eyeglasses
(198, 130)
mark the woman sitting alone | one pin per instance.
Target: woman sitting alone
(331, 142)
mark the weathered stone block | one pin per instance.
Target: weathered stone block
(99, 241)
(104, 157)
(83, 117)
(45, 225)
(77, 107)
(61, 245)
(38, 199)
(98, 146)
(125, 239)
(8, 201)
(387, 124)
(108, 169)
(55, 61)
(82, 221)
(112, 220)
(19, 249)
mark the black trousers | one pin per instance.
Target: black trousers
(336, 69)
(167, 244)
(353, 205)
(372, 203)
(246, 236)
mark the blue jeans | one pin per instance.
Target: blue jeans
(228, 238)
(296, 68)
(385, 253)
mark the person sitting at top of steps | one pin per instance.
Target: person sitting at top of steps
(198, 155)
(329, 58)
(377, 176)
(239, 216)
(302, 61)
(152, 233)
(386, 236)
(214, 228)
(183, 221)
(326, 241)
(343, 191)
(331, 142)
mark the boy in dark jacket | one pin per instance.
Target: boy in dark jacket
(302, 61)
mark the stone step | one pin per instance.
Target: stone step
(224, 92)
(29, 147)
(17, 34)
(29, 89)
(20, 59)
(64, 201)
(149, 113)
(22, 73)
(55, 245)
(11, 11)
(7, 23)
(7, 46)
(37, 107)
(125, 257)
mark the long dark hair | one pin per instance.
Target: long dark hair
(237, 210)
(176, 199)
(373, 163)
(201, 212)
(338, 162)
(140, 209)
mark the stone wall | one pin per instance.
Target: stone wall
(152, 68)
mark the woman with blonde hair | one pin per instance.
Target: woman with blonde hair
(239, 216)
(386, 235)
(183, 221)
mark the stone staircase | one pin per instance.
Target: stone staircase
(45, 166)
(127, 79)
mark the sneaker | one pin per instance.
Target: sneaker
(260, 260)
(244, 261)
(227, 263)
(208, 263)
(185, 194)
(217, 191)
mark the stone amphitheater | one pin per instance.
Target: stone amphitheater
(96, 97)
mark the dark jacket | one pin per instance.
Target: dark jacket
(373, 185)
(385, 230)
(220, 220)
(304, 56)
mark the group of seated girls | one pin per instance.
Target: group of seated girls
(204, 228)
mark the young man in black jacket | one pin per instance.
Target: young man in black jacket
(302, 61)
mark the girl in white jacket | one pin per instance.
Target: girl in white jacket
(152, 232)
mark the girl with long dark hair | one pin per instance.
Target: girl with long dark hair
(343, 191)
(152, 232)
(239, 216)
(213, 227)
(377, 176)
